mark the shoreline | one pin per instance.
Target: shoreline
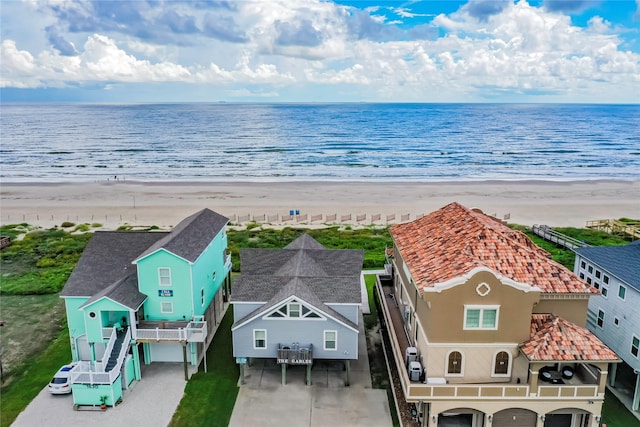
(164, 203)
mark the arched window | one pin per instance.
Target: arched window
(454, 365)
(501, 366)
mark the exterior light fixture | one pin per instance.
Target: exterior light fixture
(490, 418)
(542, 418)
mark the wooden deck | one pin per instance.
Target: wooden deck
(613, 226)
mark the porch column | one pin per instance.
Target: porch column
(636, 394)
(136, 362)
(613, 369)
(241, 365)
(540, 420)
(184, 359)
(347, 366)
(308, 374)
(283, 366)
(533, 382)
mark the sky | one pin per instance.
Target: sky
(138, 51)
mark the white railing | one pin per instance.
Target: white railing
(195, 331)
(568, 391)
(415, 391)
(92, 374)
(112, 341)
(123, 350)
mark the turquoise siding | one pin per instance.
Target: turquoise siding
(209, 273)
(89, 394)
(107, 313)
(75, 316)
(180, 289)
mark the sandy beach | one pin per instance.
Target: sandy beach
(164, 204)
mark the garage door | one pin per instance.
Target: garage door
(514, 418)
(165, 352)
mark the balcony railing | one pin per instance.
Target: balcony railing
(295, 354)
(416, 391)
(193, 331)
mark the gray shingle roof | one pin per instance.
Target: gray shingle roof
(299, 288)
(124, 291)
(106, 260)
(192, 235)
(621, 261)
(332, 275)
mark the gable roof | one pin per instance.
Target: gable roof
(191, 236)
(621, 261)
(556, 339)
(296, 287)
(454, 240)
(333, 275)
(106, 260)
(124, 291)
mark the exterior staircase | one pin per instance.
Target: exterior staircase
(115, 352)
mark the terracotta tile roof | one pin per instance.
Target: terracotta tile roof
(556, 339)
(454, 240)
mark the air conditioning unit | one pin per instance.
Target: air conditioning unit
(415, 371)
(406, 312)
(410, 355)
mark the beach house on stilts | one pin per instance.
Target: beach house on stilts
(142, 297)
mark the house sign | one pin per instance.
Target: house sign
(165, 292)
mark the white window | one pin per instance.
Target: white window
(330, 340)
(294, 309)
(622, 292)
(213, 276)
(635, 344)
(481, 317)
(166, 307)
(259, 338)
(164, 276)
(600, 318)
(202, 296)
(616, 321)
(605, 291)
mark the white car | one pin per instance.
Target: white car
(60, 383)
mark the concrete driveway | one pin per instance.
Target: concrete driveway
(150, 403)
(263, 401)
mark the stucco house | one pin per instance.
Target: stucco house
(145, 297)
(487, 330)
(614, 314)
(297, 304)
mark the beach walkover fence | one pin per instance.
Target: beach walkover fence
(549, 234)
(614, 226)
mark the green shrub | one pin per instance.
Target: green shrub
(96, 225)
(82, 227)
(67, 224)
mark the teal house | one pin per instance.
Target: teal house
(137, 298)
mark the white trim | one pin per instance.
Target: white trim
(324, 339)
(162, 310)
(509, 366)
(135, 261)
(254, 339)
(482, 309)
(460, 280)
(604, 315)
(302, 316)
(246, 320)
(475, 345)
(160, 276)
(446, 363)
(631, 346)
(620, 286)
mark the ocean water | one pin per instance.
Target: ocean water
(298, 142)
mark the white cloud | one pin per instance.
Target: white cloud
(518, 49)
